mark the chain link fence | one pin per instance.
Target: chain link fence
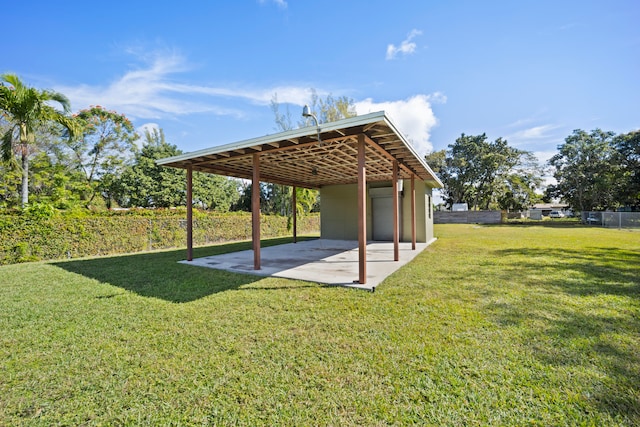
(626, 220)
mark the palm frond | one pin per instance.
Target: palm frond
(72, 125)
(13, 80)
(60, 99)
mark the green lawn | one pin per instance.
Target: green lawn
(491, 325)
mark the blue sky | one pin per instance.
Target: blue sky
(205, 71)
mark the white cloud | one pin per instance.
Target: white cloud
(281, 3)
(298, 95)
(145, 92)
(544, 156)
(413, 116)
(536, 132)
(406, 47)
(152, 92)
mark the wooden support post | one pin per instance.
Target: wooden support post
(189, 214)
(362, 212)
(294, 213)
(396, 228)
(413, 212)
(255, 211)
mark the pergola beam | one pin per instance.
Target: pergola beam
(385, 153)
(255, 211)
(225, 171)
(294, 213)
(189, 214)
(362, 212)
(396, 228)
(413, 212)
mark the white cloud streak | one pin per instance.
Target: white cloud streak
(413, 116)
(150, 92)
(535, 137)
(281, 3)
(536, 132)
(407, 46)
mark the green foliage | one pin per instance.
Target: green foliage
(146, 184)
(586, 170)
(9, 186)
(326, 110)
(518, 192)
(276, 198)
(99, 151)
(486, 174)
(41, 234)
(39, 211)
(628, 180)
(25, 109)
(214, 192)
(521, 326)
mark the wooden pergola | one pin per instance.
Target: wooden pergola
(355, 150)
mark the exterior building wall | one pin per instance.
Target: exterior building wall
(429, 212)
(339, 212)
(424, 215)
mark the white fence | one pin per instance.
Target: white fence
(612, 219)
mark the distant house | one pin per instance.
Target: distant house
(546, 208)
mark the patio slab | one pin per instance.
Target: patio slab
(331, 262)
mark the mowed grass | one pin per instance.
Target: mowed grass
(491, 325)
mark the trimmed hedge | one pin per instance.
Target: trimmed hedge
(26, 238)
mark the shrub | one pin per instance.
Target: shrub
(42, 235)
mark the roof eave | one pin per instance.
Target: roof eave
(290, 134)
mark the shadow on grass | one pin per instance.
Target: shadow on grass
(604, 270)
(159, 275)
(598, 336)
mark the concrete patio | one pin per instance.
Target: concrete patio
(331, 262)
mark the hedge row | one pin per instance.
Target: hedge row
(24, 238)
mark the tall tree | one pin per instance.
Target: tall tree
(331, 109)
(277, 198)
(437, 160)
(25, 108)
(585, 170)
(146, 184)
(484, 174)
(214, 192)
(628, 157)
(519, 190)
(100, 151)
(326, 110)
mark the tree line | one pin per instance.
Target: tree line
(94, 158)
(594, 170)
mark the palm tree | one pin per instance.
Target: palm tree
(25, 108)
